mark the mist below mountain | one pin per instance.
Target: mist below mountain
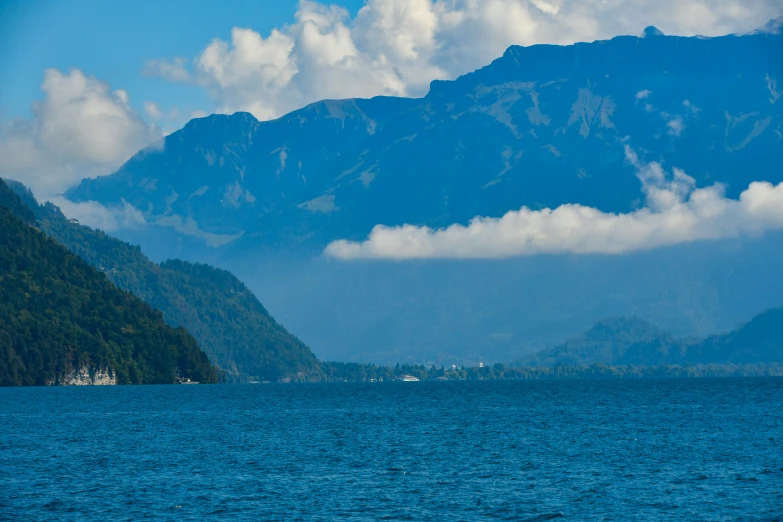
(457, 311)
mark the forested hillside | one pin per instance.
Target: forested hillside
(227, 320)
(220, 311)
(606, 342)
(59, 318)
(10, 200)
(631, 341)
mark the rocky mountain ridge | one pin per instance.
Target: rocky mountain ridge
(540, 126)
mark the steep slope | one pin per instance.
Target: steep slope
(231, 326)
(10, 200)
(62, 321)
(219, 309)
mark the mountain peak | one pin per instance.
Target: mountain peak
(651, 31)
(237, 118)
(774, 26)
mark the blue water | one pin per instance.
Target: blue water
(668, 449)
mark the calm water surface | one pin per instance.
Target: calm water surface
(668, 449)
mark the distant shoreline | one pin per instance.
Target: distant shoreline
(340, 372)
(371, 374)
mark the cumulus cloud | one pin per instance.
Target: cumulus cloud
(676, 212)
(80, 128)
(397, 47)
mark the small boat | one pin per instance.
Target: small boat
(409, 378)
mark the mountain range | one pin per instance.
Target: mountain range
(539, 127)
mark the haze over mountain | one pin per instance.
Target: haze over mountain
(631, 341)
(607, 125)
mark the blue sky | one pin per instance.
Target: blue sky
(113, 40)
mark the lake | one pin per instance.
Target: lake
(690, 449)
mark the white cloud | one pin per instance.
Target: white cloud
(397, 47)
(152, 110)
(688, 105)
(95, 215)
(173, 70)
(80, 128)
(675, 212)
(249, 70)
(676, 126)
(643, 95)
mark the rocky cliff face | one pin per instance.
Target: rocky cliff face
(85, 376)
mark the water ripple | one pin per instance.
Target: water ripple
(662, 450)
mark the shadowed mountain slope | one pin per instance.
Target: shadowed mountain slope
(231, 326)
(62, 321)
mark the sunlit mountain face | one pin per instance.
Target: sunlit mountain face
(540, 127)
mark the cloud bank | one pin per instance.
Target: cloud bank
(397, 47)
(676, 212)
